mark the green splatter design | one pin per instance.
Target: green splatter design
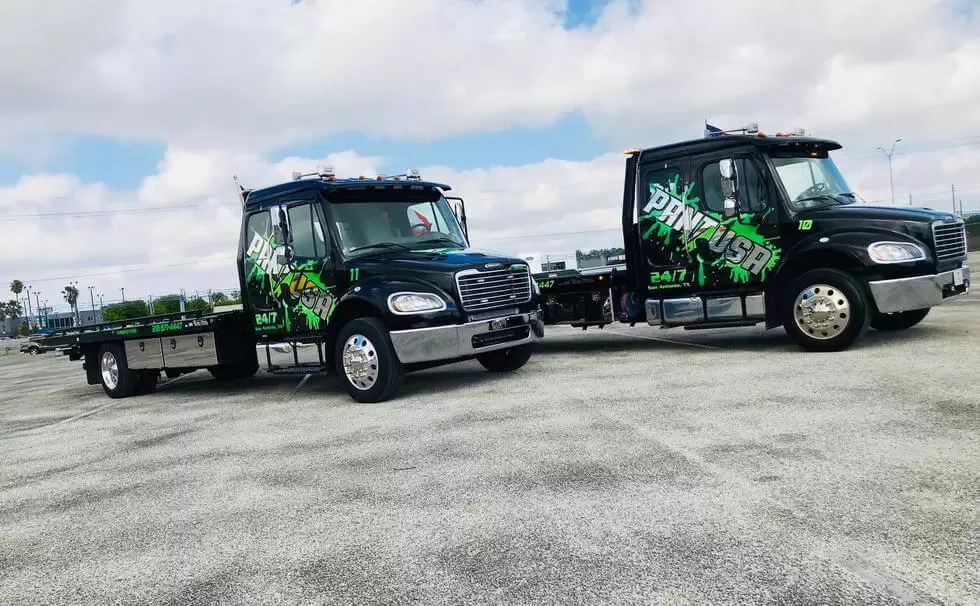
(746, 225)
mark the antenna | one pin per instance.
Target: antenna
(242, 192)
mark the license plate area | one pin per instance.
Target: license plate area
(504, 323)
(958, 277)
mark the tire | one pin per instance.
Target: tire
(506, 360)
(118, 381)
(838, 308)
(366, 362)
(899, 320)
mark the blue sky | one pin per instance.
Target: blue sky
(122, 164)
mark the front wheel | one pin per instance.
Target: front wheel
(366, 361)
(825, 310)
(898, 320)
(506, 360)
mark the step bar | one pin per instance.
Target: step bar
(699, 310)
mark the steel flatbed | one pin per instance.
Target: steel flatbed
(161, 325)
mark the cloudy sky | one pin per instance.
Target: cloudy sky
(123, 121)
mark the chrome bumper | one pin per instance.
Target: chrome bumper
(919, 292)
(461, 340)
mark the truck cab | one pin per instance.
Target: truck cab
(380, 271)
(736, 229)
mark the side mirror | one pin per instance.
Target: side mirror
(284, 254)
(729, 185)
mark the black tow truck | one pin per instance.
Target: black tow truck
(739, 228)
(376, 272)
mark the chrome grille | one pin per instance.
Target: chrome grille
(950, 240)
(490, 289)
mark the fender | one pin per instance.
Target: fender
(844, 249)
(373, 292)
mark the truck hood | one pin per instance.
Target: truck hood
(436, 266)
(868, 212)
(434, 259)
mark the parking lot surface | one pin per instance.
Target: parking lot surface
(626, 465)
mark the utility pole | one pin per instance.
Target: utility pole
(91, 298)
(123, 291)
(30, 312)
(952, 189)
(889, 155)
(910, 199)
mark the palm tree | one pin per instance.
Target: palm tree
(71, 296)
(17, 287)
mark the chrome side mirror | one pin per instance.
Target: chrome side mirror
(729, 185)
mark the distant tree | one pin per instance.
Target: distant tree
(218, 297)
(13, 309)
(3, 311)
(17, 287)
(124, 311)
(71, 297)
(236, 294)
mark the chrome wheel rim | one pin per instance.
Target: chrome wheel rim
(822, 311)
(110, 370)
(360, 360)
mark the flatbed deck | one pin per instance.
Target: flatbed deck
(160, 325)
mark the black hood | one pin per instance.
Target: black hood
(436, 265)
(867, 212)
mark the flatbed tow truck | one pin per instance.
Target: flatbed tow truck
(739, 228)
(376, 272)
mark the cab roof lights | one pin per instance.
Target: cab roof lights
(752, 128)
(328, 173)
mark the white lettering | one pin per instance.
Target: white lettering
(757, 261)
(739, 249)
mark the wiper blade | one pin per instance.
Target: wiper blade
(380, 245)
(444, 239)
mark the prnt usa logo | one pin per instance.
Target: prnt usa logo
(737, 249)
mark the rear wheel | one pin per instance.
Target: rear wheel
(506, 360)
(825, 310)
(366, 361)
(118, 381)
(899, 320)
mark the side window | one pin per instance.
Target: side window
(751, 187)
(307, 232)
(667, 179)
(259, 229)
(424, 218)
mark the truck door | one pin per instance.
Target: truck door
(310, 286)
(738, 252)
(262, 272)
(663, 194)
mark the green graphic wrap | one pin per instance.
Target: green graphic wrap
(734, 250)
(294, 297)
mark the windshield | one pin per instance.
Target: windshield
(812, 182)
(370, 222)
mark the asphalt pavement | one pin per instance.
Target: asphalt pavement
(627, 465)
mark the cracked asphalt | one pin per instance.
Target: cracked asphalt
(721, 467)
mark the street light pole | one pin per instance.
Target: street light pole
(889, 153)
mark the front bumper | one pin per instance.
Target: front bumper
(463, 340)
(919, 292)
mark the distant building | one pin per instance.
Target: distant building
(540, 262)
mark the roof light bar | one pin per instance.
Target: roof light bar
(414, 173)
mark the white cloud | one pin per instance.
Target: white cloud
(208, 73)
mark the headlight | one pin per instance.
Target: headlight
(415, 302)
(895, 252)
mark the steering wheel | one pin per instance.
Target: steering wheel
(817, 189)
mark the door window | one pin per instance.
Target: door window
(307, 232)
(752, 196)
